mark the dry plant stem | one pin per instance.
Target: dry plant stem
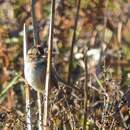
(119, 34)
(36, 41)
(27, 89)
(123, 120)
(35, 30)
(50, 46)
(105, 23)
(71, 118)
(119, 38)
(28, 108)
(39, 111)
(73, 42)
(10, 99)
(86, 91)
(105, 14)
(93, 39)
(106, 97)
(99, 83)
(112, 124)
(10, 104)
(38, 9)
(25, 42)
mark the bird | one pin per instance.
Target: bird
(35, 70)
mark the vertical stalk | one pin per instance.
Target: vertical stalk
(28, 108)
(105, 22)
(48, 71)
(123, 120)
(119, 33)
(73, 42)
(36, 41)
(86, 91)
(25, 42)
(105, 104)
(39, 111)
(35, 30)
(27, 89)
(10, 99)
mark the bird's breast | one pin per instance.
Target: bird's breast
(34, 74)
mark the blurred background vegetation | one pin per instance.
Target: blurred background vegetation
(98, 19)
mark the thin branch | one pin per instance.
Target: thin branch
(48, 71)
(119, 32)
(10, 99)
(35, 30)
(39, 111)
(99, 82)
(27, 89)
(28, 108)
(25, 43)
(105, 23)
(112, 124)
(123, 120)
(73, 42)
(36, 41)
(86, 88)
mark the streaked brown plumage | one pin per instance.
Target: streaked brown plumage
(35, 70)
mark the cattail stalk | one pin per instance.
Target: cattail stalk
(36, 41)
(34, 22)
(27, 89)
(40, 127)
(48, 71)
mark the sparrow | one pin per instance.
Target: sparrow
(35, 70)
